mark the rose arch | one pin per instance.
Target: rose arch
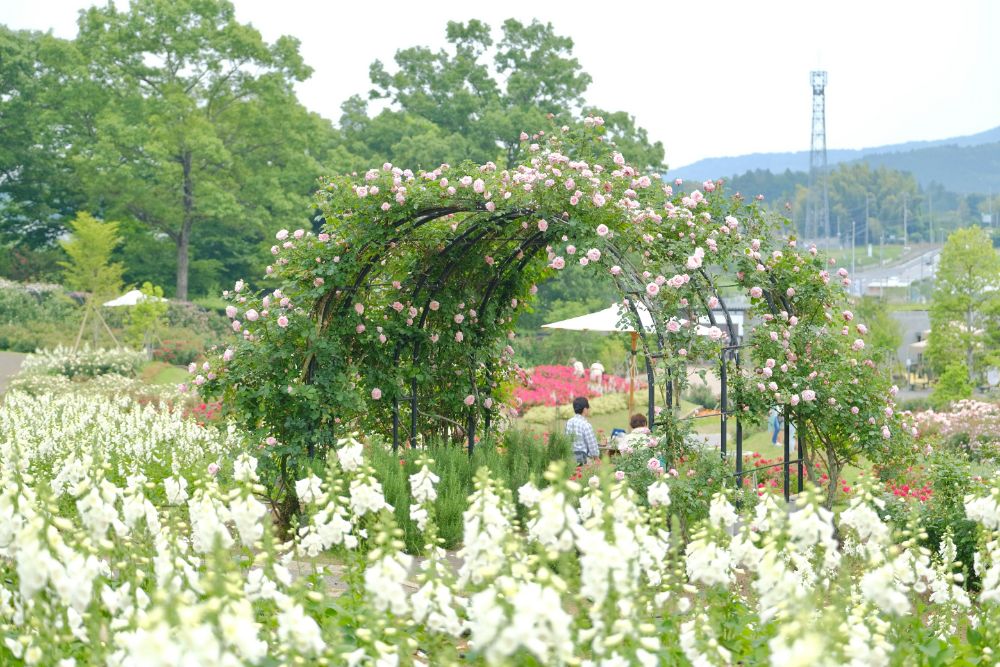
(394, 316)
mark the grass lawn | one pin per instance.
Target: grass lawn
(157, 372)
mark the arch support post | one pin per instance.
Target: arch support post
(787, 465)
(723, 405)
(801, 438)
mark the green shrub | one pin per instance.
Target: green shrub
(84, 363)
(516, 459)
(701, 394)
(953, 385)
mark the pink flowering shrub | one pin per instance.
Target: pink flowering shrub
(556, 385)
(972, 425)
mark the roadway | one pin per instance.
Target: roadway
(900, 274)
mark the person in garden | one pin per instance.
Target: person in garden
(638, 434)
(582, 433)
(774, 423)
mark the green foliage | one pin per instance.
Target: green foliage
(89, 267)
(146, 318)
(454, 105)
(953, 385)
(34, 316)
(514, 459)
(702, 394)
(884, 332)
(965, 306)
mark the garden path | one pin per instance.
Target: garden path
(333, 571)
(10, 364)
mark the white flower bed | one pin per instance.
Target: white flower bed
(85, 362)
(115, 550)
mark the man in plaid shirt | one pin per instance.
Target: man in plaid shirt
(578, 428)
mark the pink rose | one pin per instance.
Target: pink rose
(231, 312)
(808, 395)
(282, 321)
(271, 441)
(619, 475)
(616, 270)
(228, 354)
(252, 315)
(376, 394)
(652, 289)
(359, 308)
(213, 468)
(756, 292)
(459, 336)
(594, 255)
(602, 230)
(281, 235)
(470, 399)
(558, 263)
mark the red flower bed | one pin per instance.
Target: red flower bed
(204, 413)
(556, 385)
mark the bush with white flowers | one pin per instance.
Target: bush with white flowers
(84, 362)
(120, 546)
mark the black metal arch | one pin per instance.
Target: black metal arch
(521, 247)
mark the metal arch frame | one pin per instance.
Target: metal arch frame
(628, 284)
(467, 239)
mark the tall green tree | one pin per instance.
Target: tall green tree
(198, 127)
(88, 267)
(38, 193)
(455, 104)
(965, 305)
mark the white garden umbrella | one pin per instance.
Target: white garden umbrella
(131, 298)
(610, 320)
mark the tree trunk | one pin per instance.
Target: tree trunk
(833, 472)
(184, 238)
(971, 337)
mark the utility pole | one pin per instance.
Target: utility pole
(867, 218)
(854, 245)
(904, 220)
(930, 214)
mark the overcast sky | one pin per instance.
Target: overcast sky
(706, 78)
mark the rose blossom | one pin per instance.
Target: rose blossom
(652, 289)
(470, 399)
(808, 395)
(376, 394)
(282, 321)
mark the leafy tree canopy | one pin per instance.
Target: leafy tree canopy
(475, 99)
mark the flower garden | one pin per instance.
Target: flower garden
(344, 482)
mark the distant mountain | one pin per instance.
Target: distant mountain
(962, 164)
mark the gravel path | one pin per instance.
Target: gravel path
(10, 364)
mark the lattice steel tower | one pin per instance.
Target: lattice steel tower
(818, 208)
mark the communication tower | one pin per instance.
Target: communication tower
(818, 208)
